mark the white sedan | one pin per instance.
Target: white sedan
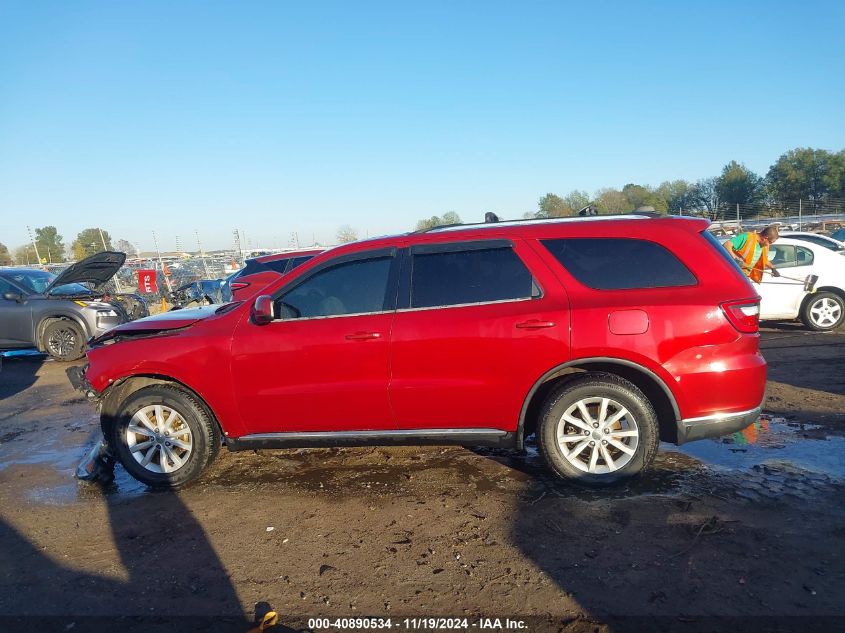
(784, 297)
(822, 240)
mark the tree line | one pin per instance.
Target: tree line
(812, 175)
(51, 248)
(815, 176)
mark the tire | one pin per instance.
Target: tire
(187, 443)
(599, 463)
(823, 311)
(64, 340)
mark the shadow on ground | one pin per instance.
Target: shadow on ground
(162, 547)
(17, 374)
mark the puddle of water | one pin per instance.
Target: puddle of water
(18, 353)
(774, 443)
(55, 459)
(767, 460)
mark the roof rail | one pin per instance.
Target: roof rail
(639, 215)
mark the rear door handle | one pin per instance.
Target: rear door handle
(535, 324)
(362, 336)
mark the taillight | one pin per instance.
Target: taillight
(239, 285)
(744, 314)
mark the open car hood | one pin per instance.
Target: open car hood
(173, 320)
(96, 269)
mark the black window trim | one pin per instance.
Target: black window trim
(403, 302)
(389, 304)
(455, 247)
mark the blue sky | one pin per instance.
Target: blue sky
(274, 117)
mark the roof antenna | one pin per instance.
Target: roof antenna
(490, 217)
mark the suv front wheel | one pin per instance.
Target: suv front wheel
(64, 340)
(164, 437)
(598, 429)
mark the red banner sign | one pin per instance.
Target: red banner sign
(147, 281)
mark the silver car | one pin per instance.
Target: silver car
(58, 314)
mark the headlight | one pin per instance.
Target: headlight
(92, 304)
(106, 313)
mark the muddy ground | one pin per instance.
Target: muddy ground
(750, 527)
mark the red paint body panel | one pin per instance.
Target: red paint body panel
(255, 283)
(198, 357)
(306, 375)
(460, 366)
(628, 322)
(472, 366)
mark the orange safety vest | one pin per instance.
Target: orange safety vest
(747, 254)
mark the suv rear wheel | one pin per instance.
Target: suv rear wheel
(64, 340)
(164, 437)
(598, 429)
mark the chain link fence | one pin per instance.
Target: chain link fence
(822, 216)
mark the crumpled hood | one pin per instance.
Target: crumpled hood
(96, 269)
(173, 320)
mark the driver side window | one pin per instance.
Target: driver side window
(357, 287)
(782, 255)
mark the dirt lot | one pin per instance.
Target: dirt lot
(753, 525)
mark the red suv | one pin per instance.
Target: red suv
(600, 336)
(260, 271)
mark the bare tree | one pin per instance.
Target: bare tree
(125, 246)
(346, 234)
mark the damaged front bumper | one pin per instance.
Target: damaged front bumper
(98, 462)
(76, 376)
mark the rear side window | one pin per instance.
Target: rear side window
(278, 265)
(471, 276)
(815, 240)
(298, 261)
(620, 263)
(252, 266)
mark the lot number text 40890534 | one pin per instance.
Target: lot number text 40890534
(417, 623)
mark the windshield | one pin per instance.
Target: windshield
(37, 281)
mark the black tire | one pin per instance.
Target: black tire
(204, 437)
(828, 305)
(620, 394)
(64, 340)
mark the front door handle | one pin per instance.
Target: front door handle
(362, 336)
(535, 324)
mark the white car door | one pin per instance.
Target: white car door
(782, 296)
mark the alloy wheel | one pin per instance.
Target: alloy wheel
(598, 435)
(159, 439)
(825, 312)
(62, 342)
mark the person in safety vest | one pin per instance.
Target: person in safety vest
(751, 251)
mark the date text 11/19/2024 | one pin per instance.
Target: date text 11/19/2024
(417, 624)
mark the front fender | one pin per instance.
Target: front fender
(199, 364)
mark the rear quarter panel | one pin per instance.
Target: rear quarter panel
(689, 344)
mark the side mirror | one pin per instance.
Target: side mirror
(262, 310)
(13, 296)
